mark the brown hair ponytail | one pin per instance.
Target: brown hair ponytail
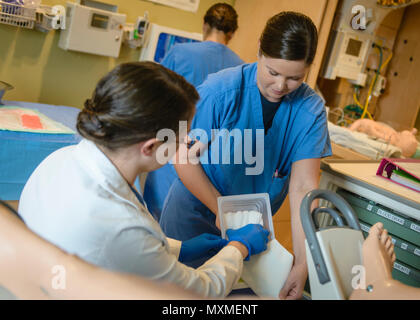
(289, 36)
(223, 17)
(133, 102)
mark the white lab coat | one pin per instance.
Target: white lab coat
(78, 200)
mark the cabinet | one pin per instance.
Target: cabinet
(375, 199)
(399, 105)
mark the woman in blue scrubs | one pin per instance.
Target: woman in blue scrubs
(195, 61)
(289, 136)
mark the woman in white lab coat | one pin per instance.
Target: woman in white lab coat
(82, 198)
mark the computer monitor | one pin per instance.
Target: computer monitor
(161, 39)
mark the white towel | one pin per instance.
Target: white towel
(238, 219)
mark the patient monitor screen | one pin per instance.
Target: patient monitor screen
(353, 47)
(99, 21)
(165, 43)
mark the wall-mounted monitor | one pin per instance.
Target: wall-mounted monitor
(161, 39)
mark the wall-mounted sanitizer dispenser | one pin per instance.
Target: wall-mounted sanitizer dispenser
(93, 27)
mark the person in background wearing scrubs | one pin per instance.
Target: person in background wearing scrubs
(195, 61)
(267, 98)
(81, 198)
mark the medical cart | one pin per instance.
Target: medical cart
(375, 199)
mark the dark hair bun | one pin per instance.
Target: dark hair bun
(290, 36)
(128, 106)
(89, 106)
(223, 17)
(88, 123)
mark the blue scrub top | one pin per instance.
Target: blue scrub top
(196, 60)
(230, 99)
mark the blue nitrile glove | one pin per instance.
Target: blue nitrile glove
(198, 247)
(252, 236)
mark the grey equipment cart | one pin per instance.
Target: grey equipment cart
(334, 253)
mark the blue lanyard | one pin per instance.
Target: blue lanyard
(138, 195)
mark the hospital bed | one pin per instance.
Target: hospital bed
(22, 152)
(352, 145)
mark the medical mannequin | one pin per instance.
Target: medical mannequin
(405, 140)
(30, 268)
(81, 198)
(378, 259)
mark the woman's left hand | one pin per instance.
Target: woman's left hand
(295, 283)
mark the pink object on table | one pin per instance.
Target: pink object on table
(31, 122)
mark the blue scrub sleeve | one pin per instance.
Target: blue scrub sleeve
(169, 60)
(205, 117)
(315, 143)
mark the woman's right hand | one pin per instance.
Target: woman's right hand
(253, 236)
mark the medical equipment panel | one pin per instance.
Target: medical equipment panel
(347, 56)
(93, 28)
(160, 40)
(354, 30)
(135, 33)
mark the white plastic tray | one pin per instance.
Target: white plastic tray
(246, 202)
